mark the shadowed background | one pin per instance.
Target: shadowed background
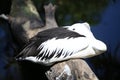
(104, 18)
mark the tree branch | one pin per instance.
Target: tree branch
(74, 69)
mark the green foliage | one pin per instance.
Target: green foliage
(71, 11)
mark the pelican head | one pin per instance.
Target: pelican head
(84, 29)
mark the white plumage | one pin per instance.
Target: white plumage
(53, 45)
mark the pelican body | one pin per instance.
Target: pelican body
(59, 44)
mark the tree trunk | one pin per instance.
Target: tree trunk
(50, 15)
(74, 69)
(26, 22)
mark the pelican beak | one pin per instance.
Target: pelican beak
(99, 47)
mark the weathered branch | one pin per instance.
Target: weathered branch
(50, 15)
(74, 69)
(26, 22)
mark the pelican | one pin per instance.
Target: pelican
(63, 43)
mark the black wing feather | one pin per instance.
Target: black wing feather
(31, 49)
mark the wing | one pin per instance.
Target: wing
(53, 49)
(58, 33)
(61, 48)
(46, 46)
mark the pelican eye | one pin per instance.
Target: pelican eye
(73, 28)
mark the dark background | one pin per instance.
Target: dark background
(104, 19)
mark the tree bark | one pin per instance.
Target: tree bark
(26, 21)
(50, 15)
(74, 69)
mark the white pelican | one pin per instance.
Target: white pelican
(58, 44)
